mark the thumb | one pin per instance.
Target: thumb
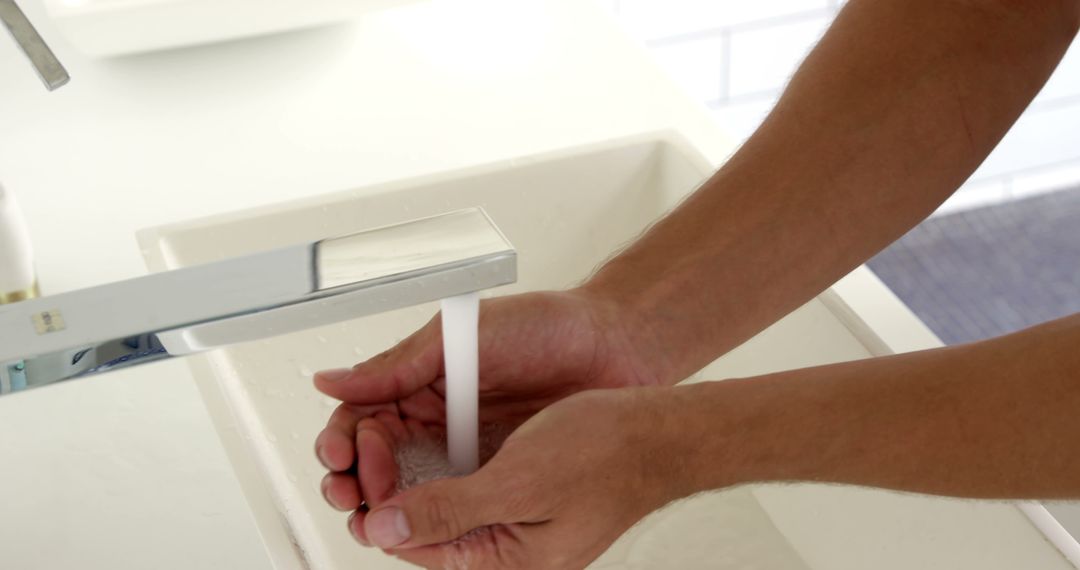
(397, 373)
(440, 511)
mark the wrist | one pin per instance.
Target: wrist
(725, 429)
(683, 441)
(654, 443)
(675, 314)
(629, 331)
(707, 436)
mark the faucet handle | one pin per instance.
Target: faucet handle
(50, 70)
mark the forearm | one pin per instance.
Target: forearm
(996, 419)
(898, 104)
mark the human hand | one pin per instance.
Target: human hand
(563, 487)
(535, 349)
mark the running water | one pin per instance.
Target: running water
(460, 322)
(424, 459)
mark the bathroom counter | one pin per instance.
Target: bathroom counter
(125, 470)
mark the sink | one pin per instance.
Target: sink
(565, 212)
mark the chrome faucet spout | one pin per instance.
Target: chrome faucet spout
(180, 312)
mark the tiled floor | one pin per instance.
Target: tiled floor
(992, 270)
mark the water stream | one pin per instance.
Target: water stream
(460, 321)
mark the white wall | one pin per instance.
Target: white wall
(736, 56)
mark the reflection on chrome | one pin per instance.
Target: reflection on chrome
(174, 313)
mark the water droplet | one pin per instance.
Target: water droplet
(271, 438)
(320, 338)
(292, 478)
(304, 371)
(294, 436)
(359, 351)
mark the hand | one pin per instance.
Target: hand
(535, 349)
(564, 486)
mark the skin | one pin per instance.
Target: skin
(892, 111)
(575, 344)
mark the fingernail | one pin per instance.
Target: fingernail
(320, 452)
(325, 486)
(326, 494)
(387, 528)
(335, 375)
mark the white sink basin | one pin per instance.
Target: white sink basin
(565, 213)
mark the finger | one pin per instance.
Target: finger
(377, 468)
(427, 405)
(394, 425)
(356, 527)
(335, 446)
(456, 554)
(488, 547)
(395, 374)
(417, 431)
(517, 546)
(445, 509)
(439, 556)
(341, 491)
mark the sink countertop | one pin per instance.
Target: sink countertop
(125, 470)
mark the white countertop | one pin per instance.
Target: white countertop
(125, 470)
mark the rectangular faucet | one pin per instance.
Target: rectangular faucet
(175, 313)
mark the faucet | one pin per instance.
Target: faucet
(50, 70)
(184, 311)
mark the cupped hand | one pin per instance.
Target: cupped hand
(535, 349)
(563, 487)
